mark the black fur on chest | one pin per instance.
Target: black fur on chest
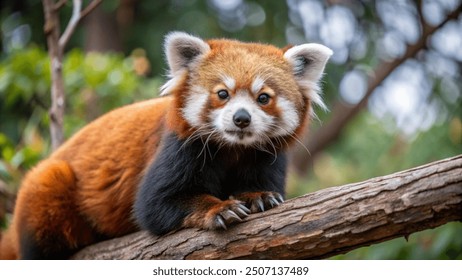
(224, 171)
(183, 170)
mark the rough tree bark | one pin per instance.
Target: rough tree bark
(318, 225)
(343, 113)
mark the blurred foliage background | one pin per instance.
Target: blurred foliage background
(115, 57)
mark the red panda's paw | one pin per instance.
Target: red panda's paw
(226, 213)
(260, 201)
(218, 216)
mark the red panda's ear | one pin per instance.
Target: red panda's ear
(182, 49)
(308, 61)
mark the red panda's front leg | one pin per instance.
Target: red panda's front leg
(177, 191)
(263, 187)
(182, 189)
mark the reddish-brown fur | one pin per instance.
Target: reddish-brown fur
(113, 149)
(86, 189)
(257, 58)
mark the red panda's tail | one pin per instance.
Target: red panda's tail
(46, 222)
(8, 248)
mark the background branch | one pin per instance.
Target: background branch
(343, 114)
(56, 45)
(55, 52)
(91, 6)
(73, 22)
(60, 4)
(77, 15)
(7, 200)
(317, 225)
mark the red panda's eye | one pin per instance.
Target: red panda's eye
(223, 94)
(263, 99)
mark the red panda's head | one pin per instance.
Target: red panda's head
(237, 93)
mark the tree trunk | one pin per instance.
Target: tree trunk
(6, 201)
(317, 225)
(102, 32)
(52, 31)
(56, 44)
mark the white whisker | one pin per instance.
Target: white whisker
(292, 136)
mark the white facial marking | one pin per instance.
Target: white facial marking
(289, 117)
(254, 133)
(257, 84)
(170, 85)
(229, 82)
(194, 106)
(312, 91)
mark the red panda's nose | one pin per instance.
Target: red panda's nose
(242, 118)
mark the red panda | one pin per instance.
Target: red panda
(206, 154)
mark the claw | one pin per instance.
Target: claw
(279, 197)
(257, 206)
(241, 213)
(230, 216)
(261, 205)
(244, 209)
(272, 200)
(220, 222)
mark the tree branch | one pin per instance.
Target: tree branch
(70, 28)
(318, 225)
(56, 45)
(59, 4)
(52, 30)
(77, 16)
(343, 114)
(90, 8)
(7, 200)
